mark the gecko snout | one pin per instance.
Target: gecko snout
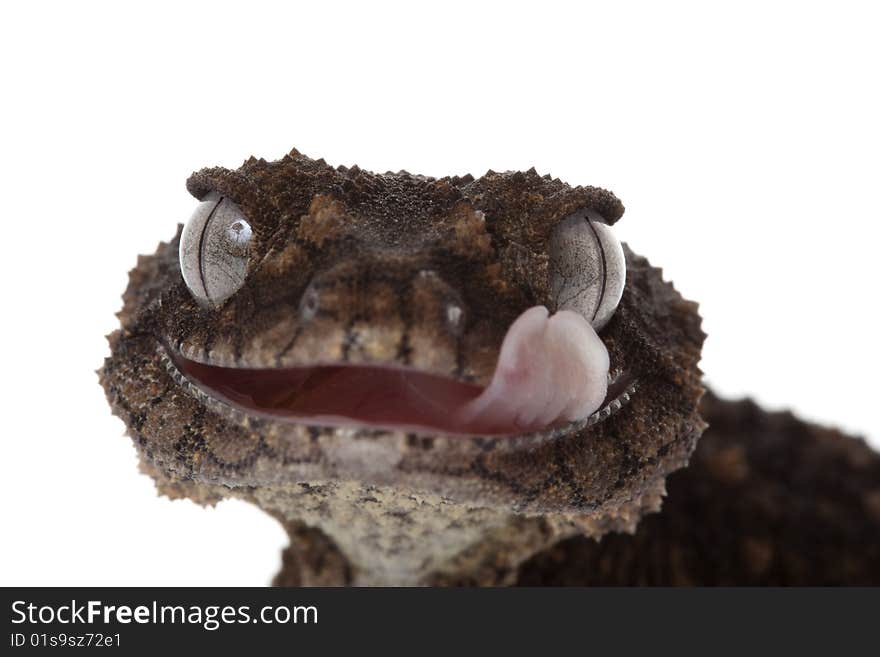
(385, 293)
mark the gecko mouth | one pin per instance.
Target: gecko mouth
(551, 371)
(359, 396)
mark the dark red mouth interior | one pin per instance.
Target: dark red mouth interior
(340, 395)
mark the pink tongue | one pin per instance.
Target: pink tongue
(550, 370)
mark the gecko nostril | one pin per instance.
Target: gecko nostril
(309, 304)
(454, 315)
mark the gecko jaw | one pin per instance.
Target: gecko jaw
(550, 370)
(225, 390)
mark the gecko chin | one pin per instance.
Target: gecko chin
(552, 372)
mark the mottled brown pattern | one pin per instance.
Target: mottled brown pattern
(766, 500)
(349, 266)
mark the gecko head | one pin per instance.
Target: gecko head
(398, 327)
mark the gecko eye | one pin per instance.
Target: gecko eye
(587, 267)
(214, 250)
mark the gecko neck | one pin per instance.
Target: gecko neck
(348, 533)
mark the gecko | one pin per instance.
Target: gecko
(431, 381)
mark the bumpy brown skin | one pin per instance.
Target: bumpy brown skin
(766, 500)
(383, 256)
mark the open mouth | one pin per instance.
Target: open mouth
(338, 395)
(375, 397)
(551, 371)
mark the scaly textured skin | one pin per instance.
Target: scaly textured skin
(381, 257)
(766, 500)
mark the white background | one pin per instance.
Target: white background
(743, 141)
